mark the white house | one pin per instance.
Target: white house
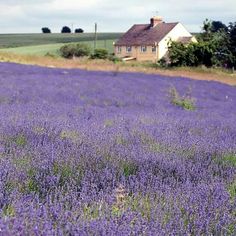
(149, 42)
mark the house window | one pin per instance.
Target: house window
(143, 49)
(154, 49)
(128, 49)
(119, 49)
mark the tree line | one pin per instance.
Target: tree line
(215, 47)
(64, 30)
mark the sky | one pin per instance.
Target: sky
(29, 16)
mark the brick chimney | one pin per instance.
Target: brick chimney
(156, 20)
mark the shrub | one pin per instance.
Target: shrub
(74, 50)
(194, 54)
(79, 31)
(177, 54)
(65, 30)
(215, 47)
(82, 50)
(46, 30)
(68, 51)
(113, 58)
(100, 54)
(162, 62)
(186, 101)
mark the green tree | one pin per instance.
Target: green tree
(222, 54)
(46, 30)
(65, 30)
(232, 36)
(206, 30)
(79, 31)
(216, 47)
(217, 26)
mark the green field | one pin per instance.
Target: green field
(53, 49)
(42, 44)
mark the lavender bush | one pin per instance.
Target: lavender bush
(104, 153)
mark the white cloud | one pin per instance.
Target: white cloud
(74, 4)
(10, 11)
(25, 15)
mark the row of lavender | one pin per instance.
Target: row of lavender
(107, 153)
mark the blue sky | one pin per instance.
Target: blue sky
(29, 16)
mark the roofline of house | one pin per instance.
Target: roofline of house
(150, 44)
(177, 23)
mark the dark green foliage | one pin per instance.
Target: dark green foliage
(217, 26)
(79, 31)
(66, 30)
(162, 62)
(206, 28)
(221, 37)
(68, 51)
(194, 54)
(75, 50)
(46, 30)
(216, 46)
(177, 54)
(200, 54)
(100, 54)
(232, 46)
(212, 53)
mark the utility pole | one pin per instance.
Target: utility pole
(72, 28)
(95, 36)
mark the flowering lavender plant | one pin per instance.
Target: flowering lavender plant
(98, 153)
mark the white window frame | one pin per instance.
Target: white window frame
(143, 49)
(128, 49)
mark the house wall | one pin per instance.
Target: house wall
(148, 55)
(174, 34)
(123, 52)
(136, 53)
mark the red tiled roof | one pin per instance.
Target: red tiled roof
(145, 34)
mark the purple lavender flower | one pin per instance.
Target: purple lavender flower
(70, 138)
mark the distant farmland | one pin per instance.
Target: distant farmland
(42, 44)
(20, 40)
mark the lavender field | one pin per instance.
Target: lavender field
(108, 153)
